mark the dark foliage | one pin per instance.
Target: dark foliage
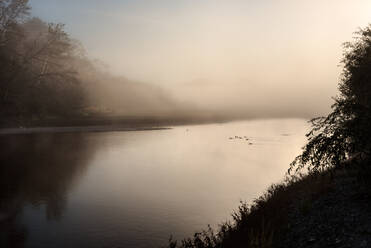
(346, 132)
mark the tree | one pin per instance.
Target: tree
(11, 13)
(346, 132)
(48, 57)
(38, 76)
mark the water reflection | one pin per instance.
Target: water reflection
(37, 170)
(134, 189)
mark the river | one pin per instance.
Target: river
(135, 189)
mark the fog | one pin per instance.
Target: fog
(236, 59)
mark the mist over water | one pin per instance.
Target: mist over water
(236, 59)
(182, 60)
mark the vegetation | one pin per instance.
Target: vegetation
(37, 78)
(262, 223)
(46, 78)
(344, 135)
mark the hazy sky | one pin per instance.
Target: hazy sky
(284, 46)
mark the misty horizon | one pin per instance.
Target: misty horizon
(240, 59)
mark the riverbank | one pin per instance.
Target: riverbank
(77, 129)
(340, 216)
(329, 209)
(102, 124)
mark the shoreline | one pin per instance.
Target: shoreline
(328, 209)
(99, 124)
(77, 129)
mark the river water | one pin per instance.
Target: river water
(135, 189)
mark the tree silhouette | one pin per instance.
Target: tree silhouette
(346, 132)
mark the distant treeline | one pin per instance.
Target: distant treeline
(45, 75)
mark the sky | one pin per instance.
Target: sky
(219, 51)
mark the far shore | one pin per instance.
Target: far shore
(110, 124)
(75, 129)
(102, 124)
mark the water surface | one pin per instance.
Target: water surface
(135, 189)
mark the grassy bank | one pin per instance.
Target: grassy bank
(303, 211)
